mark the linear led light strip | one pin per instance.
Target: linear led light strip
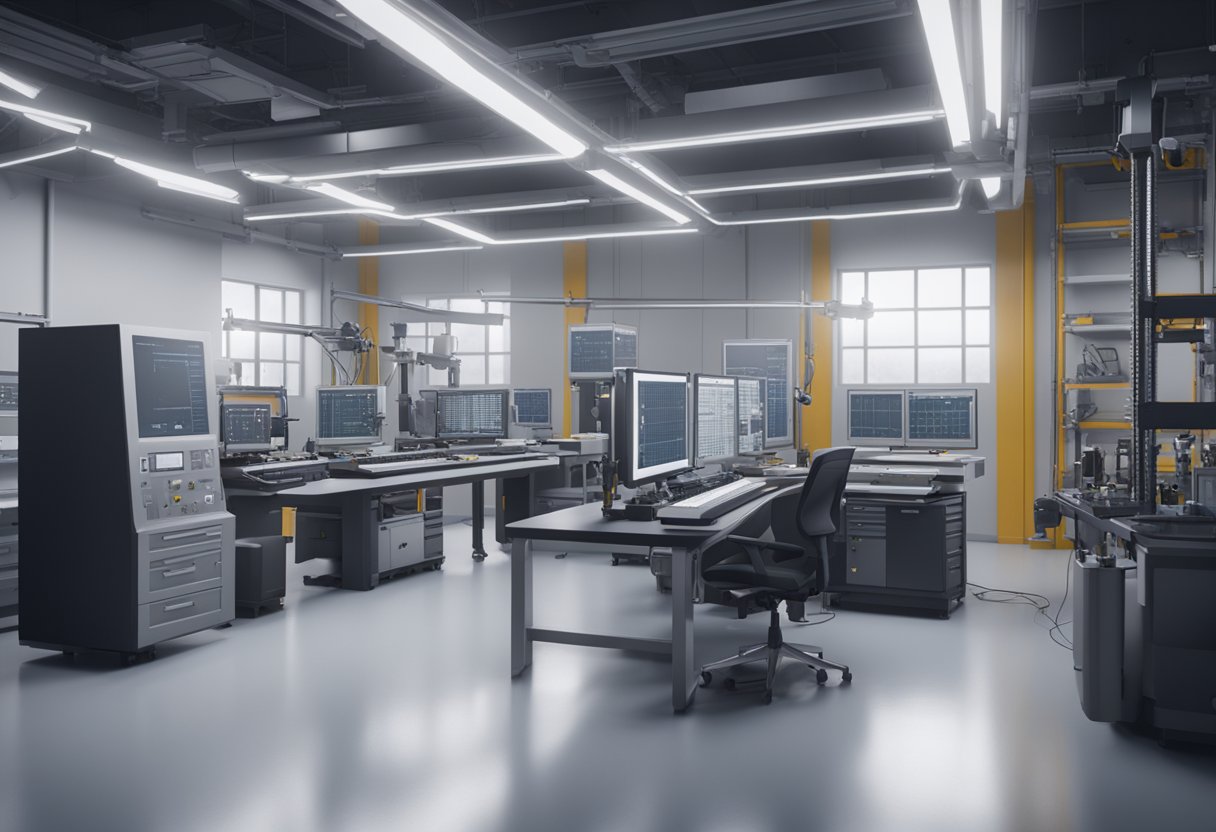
(350, 197)
(394, 252)
(907, 173)
(36, 155)
(809, 129)
(19, 86)
(613, 181)
(66, 124)
(410, 170)
(174, 181)
(498, 209)
(938, 21)
(893, 212)
(478, 237)
(404, 27)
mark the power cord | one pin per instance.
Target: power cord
(824, 618)
(1041, 604)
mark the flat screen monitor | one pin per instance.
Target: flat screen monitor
(750, 411)
(170, 386)
(715, 404)
(942, 419)
(9, 391)
(876, 417)
(772, 360)
(651, 426)
(596, 351)
(350, 414)
(534, 407)
(472, 414)
(246, 428)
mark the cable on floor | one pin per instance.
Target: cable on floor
(1040, 603)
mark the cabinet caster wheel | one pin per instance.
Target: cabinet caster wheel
(616, 561)
(729, 684)
(478, 558)
(706, 678)
(846, 677)
(821, 677)
(767, 698)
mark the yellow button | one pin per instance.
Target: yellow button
(177, 498)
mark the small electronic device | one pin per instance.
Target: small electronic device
(534, 407)
(246, 428)
(876, 417)
(715, 403)
(941, 419)
(274, 398)
(472, 414)
(651, 425)
(350, 415)
(749, 409)
(597, 350)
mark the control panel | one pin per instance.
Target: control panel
(177, 483)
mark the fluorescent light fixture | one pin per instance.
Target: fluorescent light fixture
(938, 22)
(402, 25)
(430, 167)
(992, 14)
(272, 178)
(613, 181)
(175, 181)
(991, 186)
(599, 235)
(503, 209)
(652, 176)
(891, 212)
(696, 205)
(60, 122)
(791, 131)
(64, 126)
(457, 228)
(825, 180)
(18, 86)
(350, 197)
(399, 251)
(35, 155)
(293, 215)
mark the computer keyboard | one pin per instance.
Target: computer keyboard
(708, 506)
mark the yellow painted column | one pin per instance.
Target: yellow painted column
(817, 419)
(369, 313)
(574, 285)
(1014, 345)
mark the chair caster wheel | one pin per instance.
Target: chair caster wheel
(729, 684)
(846, 677)
(706, 678)
(768, 697)
(821, 676)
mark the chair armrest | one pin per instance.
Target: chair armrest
(781, 551)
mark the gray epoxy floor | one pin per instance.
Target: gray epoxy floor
(394, 709)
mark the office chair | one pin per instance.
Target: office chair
(758, 573)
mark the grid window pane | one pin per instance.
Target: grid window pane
(470, 337)
(294, 379)
(852, 332)
(270, 346)
(496, 369)
(295, 346)
(852, 287)
(270, 305)
(940, 328)
(472, 369)
(892, 290)
(265, 358)
(270, 373)
(497, 339)
(936, 288)
(483, 349)
(979, 287)
(892, 329)
(293, 303)
(240, 298)
(979, 365)
(853, 367)
(891, 366)
(939, 366)
(978, 327)
(242, 345)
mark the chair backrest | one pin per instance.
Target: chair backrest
(819, 503)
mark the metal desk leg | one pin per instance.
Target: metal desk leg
(683, 673)
(479, 520)
(521, 605)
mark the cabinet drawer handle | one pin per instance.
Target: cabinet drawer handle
(194, 533)
(183, 605)
(178, 559)
(173, 573)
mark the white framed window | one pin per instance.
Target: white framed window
(267, 359)
(484, 350)
(930, 326)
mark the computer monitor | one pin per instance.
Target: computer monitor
(274, 398)
(534, 407)
(941, 419)
(350, 415)
(876, 417)
(717, 427)
(596, 351)
(170, 386)
(650, 433)
(9, 400)
(472, 414)
(750, 412)
(246, 428)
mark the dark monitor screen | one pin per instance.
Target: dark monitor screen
(717, 425)
(170, 386)
(349, 415)
(246, 426)
(534, 408)
(472, 413)
(591, 351)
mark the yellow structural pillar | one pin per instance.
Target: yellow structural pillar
(369, 313)
(1014, 305)
(574, 285)
(817, 419)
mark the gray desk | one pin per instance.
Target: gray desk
(355, 499)
(586, 524)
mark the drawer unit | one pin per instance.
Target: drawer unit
(201, 536)
(179, 573)
(180, 615)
